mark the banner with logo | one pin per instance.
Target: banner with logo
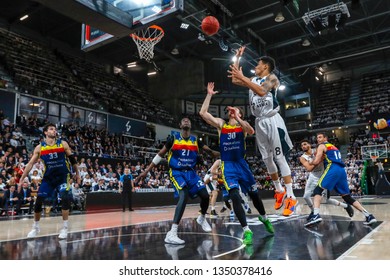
(126, 126)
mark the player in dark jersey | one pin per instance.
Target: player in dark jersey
(183, 149)
(235, 169)
(334, 177)
(57, 158)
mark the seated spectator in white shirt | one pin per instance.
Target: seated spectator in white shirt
(78, 196)
(35, 176)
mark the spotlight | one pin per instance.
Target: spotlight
(201, 37)
(175, 51)
(279, 17)
(306, 43)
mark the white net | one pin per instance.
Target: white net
(146, 39)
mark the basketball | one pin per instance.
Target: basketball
(210, 25)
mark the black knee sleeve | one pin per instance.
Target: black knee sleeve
(348, 199)
(238, 210)
(38, 204)
(181, 205)
(318, 191)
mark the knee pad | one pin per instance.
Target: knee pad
(348, 199)
(318, 191)
(270, 164)
(38, 204)
(283, 166)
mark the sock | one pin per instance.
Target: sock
(174, 227)
(278, 186)
(366, 213)
(264, 216)
(246, 228)
(316, 211)
(290, 192)
(212, 208)
(36, 224)
(66, 224)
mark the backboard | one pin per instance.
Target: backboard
(376, 151)
(144, 13)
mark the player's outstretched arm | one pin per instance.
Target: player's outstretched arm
(206, 116)
(156, 160)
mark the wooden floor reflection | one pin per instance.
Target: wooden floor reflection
(139, 235)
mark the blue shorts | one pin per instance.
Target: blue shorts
(236, 174)
(334, 177)
(186, 178)
(59, 184)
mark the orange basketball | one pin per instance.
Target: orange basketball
(210, 25)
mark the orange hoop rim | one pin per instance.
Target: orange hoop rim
(135, 36)
(374, 157)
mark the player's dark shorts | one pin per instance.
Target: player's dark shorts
(59, 184)
(236, 174)
(334, 177)
(186, 179)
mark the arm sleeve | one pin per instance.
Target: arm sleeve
(121, 179)
(169, 142)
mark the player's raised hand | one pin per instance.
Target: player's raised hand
(240, 51)
(210, 88)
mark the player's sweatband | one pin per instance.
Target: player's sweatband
(72, 159)
(156, 160)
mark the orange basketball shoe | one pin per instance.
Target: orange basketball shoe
(290, 206)
(279, 198)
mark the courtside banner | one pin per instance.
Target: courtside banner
(126, 126)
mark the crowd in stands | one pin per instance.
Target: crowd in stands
(331, 109)
(376, 95)
(45, 72)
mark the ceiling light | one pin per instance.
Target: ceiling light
(306, 43)
(23, 17)
(279, 17)
(152, 73)
(156, 9)
(317, 78)
(131, 64)
(282, 87)
(184, 25)
(175, 51)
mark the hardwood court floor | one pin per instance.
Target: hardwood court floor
(139, 235)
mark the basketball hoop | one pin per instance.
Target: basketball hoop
(374, 157)
(146, 39)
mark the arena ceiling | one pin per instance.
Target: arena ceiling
(362, 38)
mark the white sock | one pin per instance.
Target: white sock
(290, 192)
(212, 208)
(66, 224)
(316, 211)
(36, 224)
(246, 228)
(174, 227)
(278, 186)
